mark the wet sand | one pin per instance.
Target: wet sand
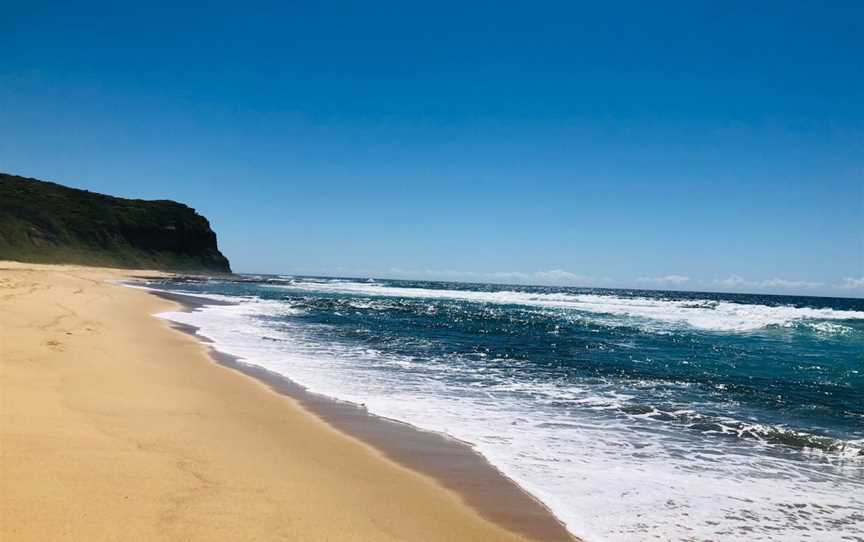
(452, 463)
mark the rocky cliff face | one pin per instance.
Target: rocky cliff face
(49, 223)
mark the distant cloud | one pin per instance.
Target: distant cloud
(783, 283)
(737, 281)
(852, 283)
(668, 280)
(733, 281)
(559, 275)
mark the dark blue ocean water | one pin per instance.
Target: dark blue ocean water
(632, 414)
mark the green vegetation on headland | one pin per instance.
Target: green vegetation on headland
(44, 222)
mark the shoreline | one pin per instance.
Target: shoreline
(115, 426)
(449, 461)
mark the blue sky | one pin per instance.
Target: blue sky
(693, 145)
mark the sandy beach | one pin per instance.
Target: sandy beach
(117, 427)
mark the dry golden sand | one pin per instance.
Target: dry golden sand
(113, 426)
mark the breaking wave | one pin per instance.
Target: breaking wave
(702, 314)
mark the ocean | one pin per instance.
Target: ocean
(632, 415)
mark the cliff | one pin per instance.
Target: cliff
(48, 223)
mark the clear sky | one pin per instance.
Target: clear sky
(695, 145)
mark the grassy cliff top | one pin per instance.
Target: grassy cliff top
(49, 223)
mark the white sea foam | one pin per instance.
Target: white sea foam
(607, 477)
(701, 314)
